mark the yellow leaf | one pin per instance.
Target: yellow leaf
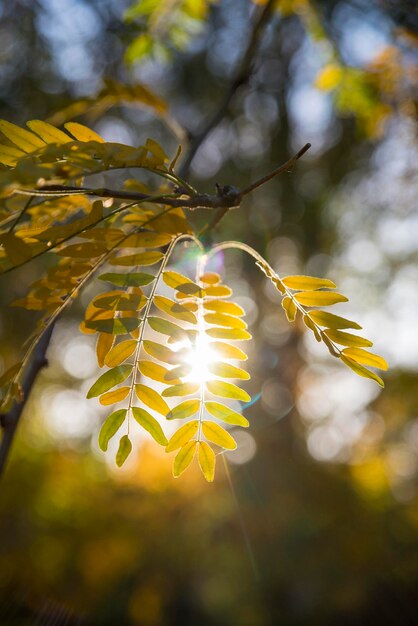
(182, 435)
(119, 353)
(174, 309)
(112, 397)
(160, 325)
(160, 352)
(151, 398)
(233, 334)
(347, 339)
(319, 298)
(360, 370)
(47, 132)
(184, 389)
(156, 372)
(225, 370)
(224, 413)
(227, 390)
(207, 460)
(184, 409)
(290, 308)
(307, 283)
(109, 379)
(23, 139)
(147, 240)
(182, 284)
(210, 278)
(323, 318)
(10, 155)
(217, 434)
(177, 372)
(83, 250)
(150, 424)
(17, 250)
(82, 133)
(103, 346)
(227, 351)
(366, 358)
(218, 291)
(184, 457)
(229, 321)
(329, 78)
(220, 306)
(142, 258)
(125, 447)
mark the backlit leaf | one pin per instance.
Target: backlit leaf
(110, 427)
(124, 450)
(220, 306)
(307, 283)
(17, 250)
(227, 390)
(184, 409)
(147, 240)
(233, 334)
(177, 372)
(20, 137)
(323, 318)
(210, 278)
(155, 371)
(82, 133)
(347, 339)
(224, 413)
(360, 370)
(311, 325)
(132, 279)
(225, 370)
(121, 302)
(227, 351)
(182, 283)
(290, 308)
(183, 389)
(142, 258)
(218, 291)
(9, 155)
(366, 358)
(183, 458)
(119, 353)
(83, 250)
(109, 379)
(319, 298)
(174, 309)
(165, 327)
(112, 397)
(160, 352)
(217, 434)
(229, 321)
(182, 435)
(207, 461)
(47, 132)
(117, 326)
(103, 346)
(152, 399)
(150, 424)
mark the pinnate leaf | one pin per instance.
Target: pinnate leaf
(227, 351)
(124, 450)
(104, 344)
(183, 458)
(133, 279)
(119, 353)
(110, 427)
(221, 306)
(183, 389)
(319, 298)
(366, 358)
(233, 334)
(323, 318)
(207, 461)
(182, 284)
(150, 424)
(217, 434)
(112, 397)
(182, 435)
(82, 133)
(174, 309)
(227, 390)
(109, 379)
(157, 372)
(225, 370)
(142, 258)
(307, 283)
(184, 409)
(224, 413)
(347, 339)
(152, 399)
(360, 370)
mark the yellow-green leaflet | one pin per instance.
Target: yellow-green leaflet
(10, 155)
(207, 461)
(227, 351)
(112, 397)
(307, 283)
(184, 457)
(119, 353)
(174, 309)
(150, 424)
(125, 447)
(319, 298)
(366, 358)
(121, 302)
(110, 427)
(182, 435)
(233, 334)
(156, 372)
(142, 258)
(109, 379)
(182, 283)
(184, 409)
(104, 344)
(361, 371)
(217, 434)
(83, 250)
(227, 390)
(152, 399)
(132, 279)
(323, 318)
(116, 326)
(184, 389)
(177, 372)
(160, 352)
(224, 413)
(225, 370)
(160, 325)
(147, 240)
(347, 339)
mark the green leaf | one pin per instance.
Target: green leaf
(174, 309)
(125, 447)
(152, 399)
(323, 318)
(182, 435)
(366, 358)
(307, 283)
(227, 390)
(227, 351)
(217, 434)
(184, 457)
(109, 379)
(319, 298)
(155, 371)
(147, 240)
(83, 250)
(224, 413)
(219, 306)
(184, 409)
(233, 334)
(184, 389)
(225, 370)
(110, 427)
(17, 250)
(207, 461)
(133, 279)
(142, 258)
(150, 424)
(119, 353)
(82, 133)
(347, 339)
(160, 352)
(360, 370)
(182, 284)
(116, 326)
(121, 302)
(165, 327)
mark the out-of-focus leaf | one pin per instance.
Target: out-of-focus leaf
(132, 279)
(124, 450)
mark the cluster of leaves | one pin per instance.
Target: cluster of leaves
(141, 333)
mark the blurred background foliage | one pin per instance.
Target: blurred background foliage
(314, 519)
